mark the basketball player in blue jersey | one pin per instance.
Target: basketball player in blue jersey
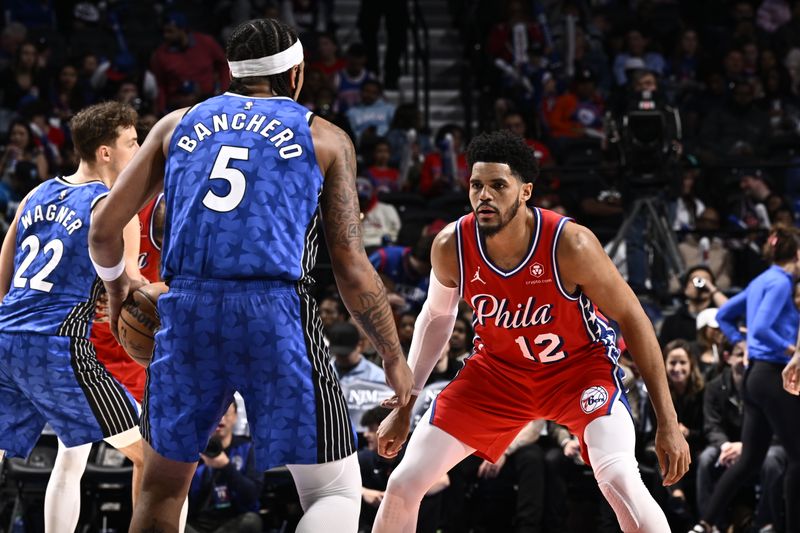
(49, 372)
(245, 176)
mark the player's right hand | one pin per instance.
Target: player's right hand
(400, 379)
(393, 432)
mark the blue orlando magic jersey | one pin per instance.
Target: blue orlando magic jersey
(54, 286)
(242, 189)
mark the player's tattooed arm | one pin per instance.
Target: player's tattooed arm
(360, 286)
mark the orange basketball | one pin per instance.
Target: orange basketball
(139, 321)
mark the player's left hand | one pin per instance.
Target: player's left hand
(400, 379)
(791, 375)
(673, 453)
(489, 470)
(393, 432)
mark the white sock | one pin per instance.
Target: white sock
(184, 514)
(62, 500)
(330, 494)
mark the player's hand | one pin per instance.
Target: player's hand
(393, 432)
(118, 291)
(101, 309)
(372, 497)
(673, 453)
(218, 462)
(399, 378)
(791, 375)
(489, 470)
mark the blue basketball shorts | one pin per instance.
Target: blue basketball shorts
(261, 338)
(58, 380)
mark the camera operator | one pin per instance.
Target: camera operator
(223, 496)
(700, 292)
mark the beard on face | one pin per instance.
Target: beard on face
(489, 230)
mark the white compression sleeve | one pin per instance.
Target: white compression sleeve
(62, 499)
(432, 331)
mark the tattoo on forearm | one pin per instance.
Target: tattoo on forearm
(375, 316)
(342, 212)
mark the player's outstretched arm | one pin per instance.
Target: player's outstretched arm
(584, 263)
(432, 332)
(360, 286)
(136, 184)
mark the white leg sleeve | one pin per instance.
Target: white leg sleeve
(610, 441)
(330, 494)
(430, 454)
(184, 514)
(62, 500)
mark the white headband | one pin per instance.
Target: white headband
(269, 65)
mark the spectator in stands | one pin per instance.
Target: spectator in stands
(409, 142)
(687, 61)
(686, 207)
(405, 328)
(722, 415)
(187, 62)
(778, 101)
(225, 489)
(749, 206)
(348, 362)
(709, 343)
(327, 59)
(22, 148)
(375, 472)
(66, 96)
(515, 123)
(348, 81)
(445, 169)
(380, 222)
(578, 112)
(700, 292)
(737, 129)
(24, 81)
(332, 311)
(395, 14)
(12, 36)
(686, 386)
(385, 178)
(370, 117)
(707, 247)
(409, 268)
(636, 48)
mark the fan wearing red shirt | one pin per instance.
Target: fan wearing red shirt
(384, 177)
(536, 282)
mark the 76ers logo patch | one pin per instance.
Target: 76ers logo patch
(537, 270)
(593, 399)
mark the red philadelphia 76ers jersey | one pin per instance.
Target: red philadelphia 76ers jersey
(149, 251)
(523, 317)
(539, 352)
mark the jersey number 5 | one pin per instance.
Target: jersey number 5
(233, 176)
(551, 351)
(37, 282)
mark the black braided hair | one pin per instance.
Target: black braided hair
(259, 38)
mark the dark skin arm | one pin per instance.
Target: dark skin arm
(583, 262)
(360, 286)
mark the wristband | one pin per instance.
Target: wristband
(109, 273)
(416, 392)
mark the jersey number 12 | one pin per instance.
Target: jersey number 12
(551, 351)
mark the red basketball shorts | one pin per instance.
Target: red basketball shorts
(489, 402)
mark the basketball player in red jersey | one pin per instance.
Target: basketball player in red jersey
(542, 349)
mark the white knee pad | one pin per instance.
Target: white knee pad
(337, 478)
(617, 480)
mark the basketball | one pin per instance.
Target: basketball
(139, 321)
